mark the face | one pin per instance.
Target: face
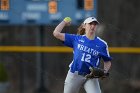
(90, 27)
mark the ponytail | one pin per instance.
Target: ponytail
(81, 30)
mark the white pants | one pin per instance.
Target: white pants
(74, 82)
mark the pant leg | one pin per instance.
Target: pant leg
(73, 83)
(92, 86)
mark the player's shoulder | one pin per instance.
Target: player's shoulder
(70, 35)
(101, 41)
(80, 36)
(73, 36)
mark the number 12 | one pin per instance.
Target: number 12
(86, 57)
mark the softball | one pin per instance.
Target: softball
(67, 19)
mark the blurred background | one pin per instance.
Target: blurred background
(33, 61)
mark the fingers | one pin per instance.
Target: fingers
(91, 69)
(88, 76)
(67, 20)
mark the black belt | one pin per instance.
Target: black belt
(79, 73)
(82, 73)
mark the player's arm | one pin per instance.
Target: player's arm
(107, 66)
(57, 32)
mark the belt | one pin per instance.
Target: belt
(79, 73)
(82, 73)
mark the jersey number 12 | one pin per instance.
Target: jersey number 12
(86, 57)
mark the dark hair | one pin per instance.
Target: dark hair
(81, 30)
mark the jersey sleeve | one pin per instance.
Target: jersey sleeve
(105, 54)
(69, 39)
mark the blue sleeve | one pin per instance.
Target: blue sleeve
(69, 39)
(105, 54)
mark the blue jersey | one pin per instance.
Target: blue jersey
(86, 52)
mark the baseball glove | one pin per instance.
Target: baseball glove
(96, 73)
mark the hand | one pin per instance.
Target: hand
(96, 73)
(67, 20)
(105, 75)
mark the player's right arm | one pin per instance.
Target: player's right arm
(57, 32)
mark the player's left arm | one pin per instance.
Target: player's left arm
(107, 66)
(107, 58)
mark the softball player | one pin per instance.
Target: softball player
(88, 49)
